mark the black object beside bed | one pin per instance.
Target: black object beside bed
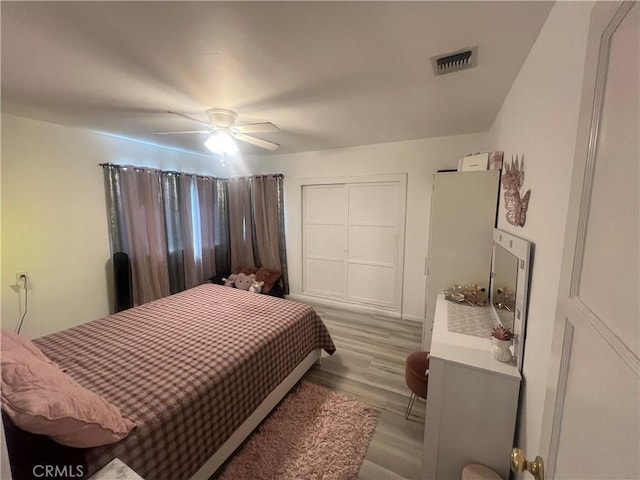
(29, 450)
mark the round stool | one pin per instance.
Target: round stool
(475, 471)
(416, 374)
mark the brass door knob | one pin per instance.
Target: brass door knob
(519, 464)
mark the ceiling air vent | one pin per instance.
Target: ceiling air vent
(454, 62)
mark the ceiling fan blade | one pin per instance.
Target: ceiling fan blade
(206, 124)
(182, 131)
(256, 141)
(264, 127)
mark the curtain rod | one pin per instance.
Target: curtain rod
(275, 175)
(173, 172)
(152, 169)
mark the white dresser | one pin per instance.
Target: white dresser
(472, 401)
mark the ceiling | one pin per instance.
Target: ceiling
(328, 74)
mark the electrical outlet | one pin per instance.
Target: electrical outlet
(22, 279)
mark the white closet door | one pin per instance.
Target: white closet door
(353, 242)
(325, 239)
(372, 243)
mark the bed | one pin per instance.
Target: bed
(196, 372)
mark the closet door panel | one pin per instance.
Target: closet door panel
(324, 277)
(373, 204)
(325, 204)
(370, 284)
(352, 246)
(325, 238)
(372, 244)
(326, 241)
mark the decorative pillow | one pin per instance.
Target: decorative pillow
(14, 342)
(269, 277)
(244, 282)
(40, 398)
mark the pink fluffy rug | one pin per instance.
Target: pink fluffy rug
(314, 434)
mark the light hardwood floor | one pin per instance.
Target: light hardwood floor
(369, 365)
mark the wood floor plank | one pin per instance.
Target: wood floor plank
(369, 365)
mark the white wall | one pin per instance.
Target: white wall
(539, 119)
(419, 159)
(54, 223)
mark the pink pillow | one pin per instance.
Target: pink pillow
(269, 277)
(40, 398)
(13, 341)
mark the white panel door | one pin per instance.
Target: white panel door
(591, 424)
(373, 242)
(374, 204)
(325, 214)
(353, 242)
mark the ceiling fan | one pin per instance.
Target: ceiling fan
(222, 127)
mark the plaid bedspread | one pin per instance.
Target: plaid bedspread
(187, 369)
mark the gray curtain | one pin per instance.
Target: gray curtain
(265, 210)
(281, 234)
(181, 229)
(221, 222)
(196, 209)
(258, 235)
(172, 225)
(171, 195)
(138, 228)
(240, 223)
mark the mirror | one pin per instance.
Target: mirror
(503, 287)
(509, 290)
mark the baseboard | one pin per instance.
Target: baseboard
(414, 318)
(354, 307)
(343, 305)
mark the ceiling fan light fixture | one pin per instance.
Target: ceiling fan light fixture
(221, 142)
(223, 132)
